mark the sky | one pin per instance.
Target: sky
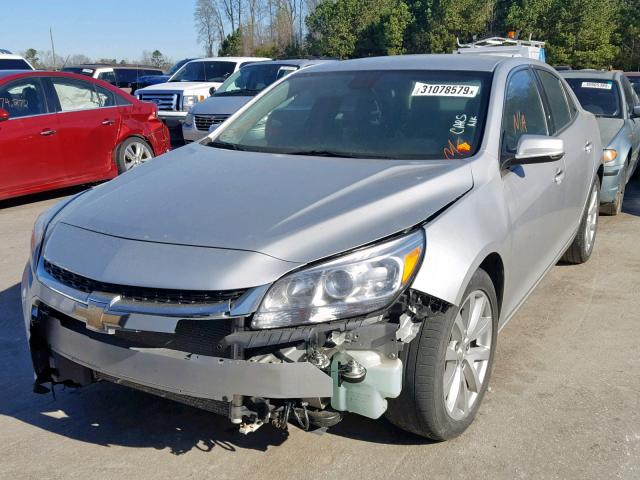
(101, 28)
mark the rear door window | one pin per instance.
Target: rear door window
(559, 108)
(523, 110)
(23, 98)
(74, 95)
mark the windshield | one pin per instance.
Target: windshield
(598, 96)
(204, 72)
(178, 65)
(367, 114)
(13, 64)
(250, 80)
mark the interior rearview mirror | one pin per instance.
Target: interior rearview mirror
(536, 149)
(4, 115)
(212, 90)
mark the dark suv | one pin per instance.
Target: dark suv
(121, 76)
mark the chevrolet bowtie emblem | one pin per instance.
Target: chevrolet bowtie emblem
(95, 313)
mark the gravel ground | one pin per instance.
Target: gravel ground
(564, 400)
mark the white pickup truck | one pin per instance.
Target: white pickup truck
(194, 82)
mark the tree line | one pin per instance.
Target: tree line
(44, 59)
(579, 33)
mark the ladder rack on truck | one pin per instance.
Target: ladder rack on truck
(507, 47)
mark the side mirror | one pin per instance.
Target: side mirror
(536, 149)
(635, 113)
(4, 115)
(212, 90)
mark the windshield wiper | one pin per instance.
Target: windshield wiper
(245, 92)
(226, 145)
(331, 153)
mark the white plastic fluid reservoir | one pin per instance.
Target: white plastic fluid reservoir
(368, 398)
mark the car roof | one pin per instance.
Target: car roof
(587, 73)
(298, 62)
(10, 55)
(108, 65)
(450, 61)
(231, 59)
(632, 74)
(17, 74)
(7, 73)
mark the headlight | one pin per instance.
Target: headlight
(609, 155)
(355, 284)
(40, 227)
(188, 120)
(189, 101)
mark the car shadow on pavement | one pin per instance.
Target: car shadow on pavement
(631, 203)
(108, 414)
(39, 197)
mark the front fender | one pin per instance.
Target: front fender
(622, 144)
(460, 239)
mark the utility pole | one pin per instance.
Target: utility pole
(53, 48)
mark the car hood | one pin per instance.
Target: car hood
(294, 208)
(220, 105)
(179, 86)
(609, 128)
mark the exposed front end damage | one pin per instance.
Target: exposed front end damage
(308, 374)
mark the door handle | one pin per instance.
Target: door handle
(108, 122)
(47, 131)
(588, 147)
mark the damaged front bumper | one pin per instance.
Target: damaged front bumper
(206, 356)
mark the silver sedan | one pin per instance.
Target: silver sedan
(352, 240)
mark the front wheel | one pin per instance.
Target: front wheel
(582, 247)
(447, 367)
(132, 152)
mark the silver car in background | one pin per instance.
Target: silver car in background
(611, 98)
(235, 92)
(352, 240)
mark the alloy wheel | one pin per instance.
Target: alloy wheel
(592, 220)
(467, 355)
(136, 153)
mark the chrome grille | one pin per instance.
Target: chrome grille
(165, 101)
(140, 294)
(203, 122)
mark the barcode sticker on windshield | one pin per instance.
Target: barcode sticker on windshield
(600, 85)
(442, 90)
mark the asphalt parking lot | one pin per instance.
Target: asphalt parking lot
(564, 399)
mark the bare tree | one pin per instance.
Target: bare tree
(209, 24)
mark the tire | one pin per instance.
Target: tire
(582, 247)
(422, 407)
(615, 208)
(131, 153)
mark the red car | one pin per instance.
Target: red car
(59, 129)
